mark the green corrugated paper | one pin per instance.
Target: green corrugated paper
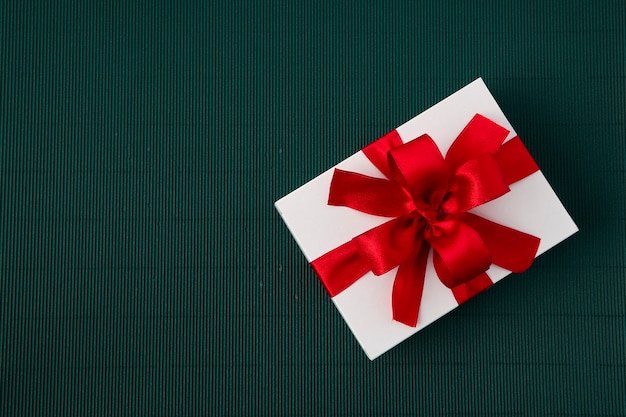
(144, 271)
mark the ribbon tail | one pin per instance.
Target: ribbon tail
(515, 161)
(509, 248)
(469, 289)
(408, 287)
(340, 268)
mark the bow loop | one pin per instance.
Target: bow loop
(375, 196)
(390, 244)
(474, 183)
(479, 136)
(459, 252)
(420, 168)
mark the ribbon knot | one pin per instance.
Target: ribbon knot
(433, 215)
(428, 198)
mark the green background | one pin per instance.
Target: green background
(145, 271)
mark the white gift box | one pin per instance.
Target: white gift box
(531, 207)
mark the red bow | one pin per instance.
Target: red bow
(429, 197)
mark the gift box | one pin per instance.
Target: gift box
(425, 217)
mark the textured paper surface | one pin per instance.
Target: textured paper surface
(146, 272)
(531, 207)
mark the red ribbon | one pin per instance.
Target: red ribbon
(429, 197)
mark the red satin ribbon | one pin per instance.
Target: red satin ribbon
(428, 197)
